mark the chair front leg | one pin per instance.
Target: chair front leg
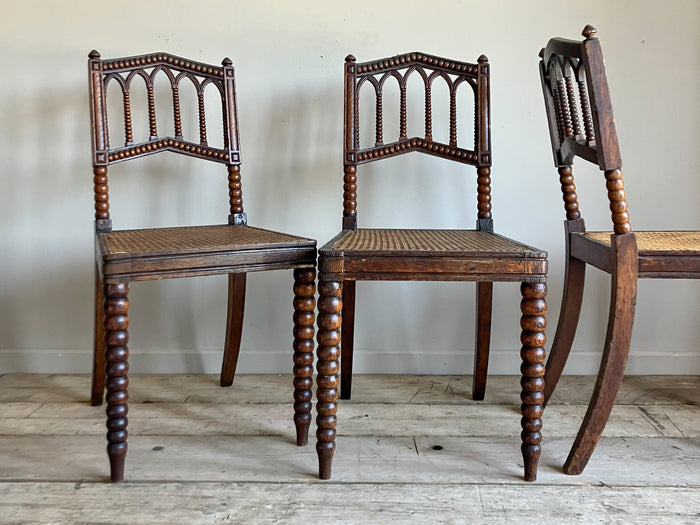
(330, 307)
(615, 352)
(304, 306)
(533, 323)
(117, 369)
(98, 356)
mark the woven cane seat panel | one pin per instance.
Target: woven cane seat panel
(196, 239)
(658, 242)
(462, 242)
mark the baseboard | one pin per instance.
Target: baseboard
(502, 362)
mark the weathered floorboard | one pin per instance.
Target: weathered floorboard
(402, 503)
(411, 449)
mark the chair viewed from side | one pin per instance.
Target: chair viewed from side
(124, 256)
(581, 124)
(478, 255)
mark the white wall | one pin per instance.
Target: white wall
(288, 58)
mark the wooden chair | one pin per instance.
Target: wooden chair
(163, 253)
(581, 124)
(477, 255)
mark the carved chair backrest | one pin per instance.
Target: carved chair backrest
(580, 117)
(146, 68)
(428, 68)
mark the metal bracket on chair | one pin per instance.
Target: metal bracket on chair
(484, 225)
(103, 225)
(238, 219)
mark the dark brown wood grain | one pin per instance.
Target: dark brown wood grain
(233, 247)
(362, 254)
(581, 124)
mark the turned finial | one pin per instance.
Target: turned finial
(94, 54)
(589, 32)
(483, 59)
(226, 62)
(350, 58)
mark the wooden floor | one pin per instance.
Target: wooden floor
(411, 449)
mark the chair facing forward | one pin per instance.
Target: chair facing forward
(581, 124)
(477, 255)
(162, 253)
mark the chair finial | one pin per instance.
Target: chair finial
(350, 58)
(589, 32)
(226, 62)
(94, 54)
(483, 59)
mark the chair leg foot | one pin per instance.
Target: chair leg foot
(117, 369)
(325, 453)
(234, 326)
(534, 308)
(484, 300)
(615, 352)
(328, 352)
(304, 318)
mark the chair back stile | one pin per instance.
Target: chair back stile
(588, 132)
(123, 71)
(429, 68)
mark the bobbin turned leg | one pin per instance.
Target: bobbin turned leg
(117, 355)
(304, 305)
(533, 307)
(98, 357)
(234, 327)
(328, 352)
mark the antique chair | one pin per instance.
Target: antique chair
(477, 255)
(123, 256)
(581, 124)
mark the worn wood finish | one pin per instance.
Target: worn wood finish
(363, 254)
(388, 467)
(234, 248)
(581, 124)
(205, 503)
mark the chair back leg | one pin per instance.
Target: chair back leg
(484, 300)
(615, 352)
(98, 357)
(348, 339)
(234, 326)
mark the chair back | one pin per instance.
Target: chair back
(428, 68)
(581, 121)
(177, 70)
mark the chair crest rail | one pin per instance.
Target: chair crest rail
(123, 71)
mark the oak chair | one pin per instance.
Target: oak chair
(477, 255)
(123, 256)
(581, 124)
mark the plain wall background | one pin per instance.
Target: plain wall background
(289, 65)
